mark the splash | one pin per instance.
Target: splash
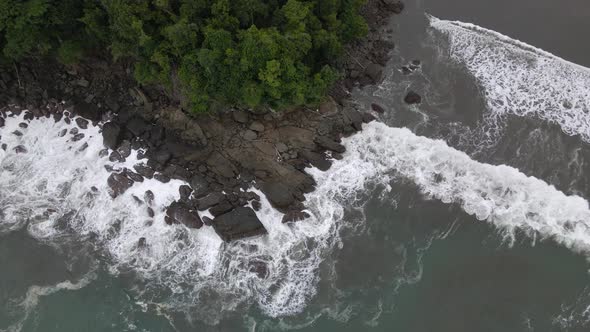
(519, 79)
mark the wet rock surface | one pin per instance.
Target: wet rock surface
(219, 155)
(237, 224)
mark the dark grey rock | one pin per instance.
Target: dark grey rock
(110, 135)
(162, 178)
(256, 126)
(240, 116)
(20, 149)
(294, 216)
(249, 135)
(144, 171)
(199, 185)
(82, 123)
(330, 144)
(116, 157)
(77, 137)
(237, 224)
(377, 108)
(133, 176)
(136, 125)
(374, 72)
(412, 98)
(124, 149)
(118, 183)
(210, 200)
(148, 197)
(278, 194)
(183, 214)
(221, 208)
(185, 192)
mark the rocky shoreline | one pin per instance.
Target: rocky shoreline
(221, 156)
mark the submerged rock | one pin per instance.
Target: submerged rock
(413, 98)
(237, 224)
(294, 216)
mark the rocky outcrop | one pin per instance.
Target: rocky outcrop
(237, 224)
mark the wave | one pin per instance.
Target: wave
(501, 195)
(519, 79)
(193, 271)
(58, 191)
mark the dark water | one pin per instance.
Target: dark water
(397, 258)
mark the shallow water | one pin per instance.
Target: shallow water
(473, 218)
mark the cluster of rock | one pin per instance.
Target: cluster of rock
(221, 156)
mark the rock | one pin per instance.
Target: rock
(116, 157)
(317, 160)
(4, 146)
(77, 137)
(124, 149)
(17, 133)
(103, 153)
(194, 133)
(2, 122)
(221, 166)
(367, 117)
(395, 6)
(377, 108)
(150, 212)
(83, 83)
(199, 185)
(278, 194)
(82, 123)
(210, 200)
(183, 214)
(328, 107)
(87, 111)
(132, 175)
(374, 72)
(142, 243)
(136, 125)
(256, 205)
(257, 126)
(185, 192)
(118, 184)
(162, 178)
(329, 144)
(62, 133)
(240, 116)
(144, 171)
(221, 208)
(23, 125)
(281, 147)
(162, 156)
(74, 131)
(249, 135)
(294, 216)
(20, 149)
(259, 268)
(110, 135)
(413, 98)
(149, 197)
(354, 117)
(237, 224)
(207, 221)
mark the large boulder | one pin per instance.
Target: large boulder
(210, 200)
(110, 135)
(137, 125)
(118, 183)
(181, 213)
(88, 111)
(278, 194)
(237, 224)
(413, 98)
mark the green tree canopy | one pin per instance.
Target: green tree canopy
(245, 53)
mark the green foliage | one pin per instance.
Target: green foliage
(247, 53)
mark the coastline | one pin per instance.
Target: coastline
(220, 155)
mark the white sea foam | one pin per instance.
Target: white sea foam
(180, 269)
(194, 271)
(520, 79)
(500, 194)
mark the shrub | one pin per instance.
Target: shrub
(246, 53)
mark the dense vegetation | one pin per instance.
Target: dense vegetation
(248, 53)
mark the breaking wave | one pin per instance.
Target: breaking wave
(58, 191)
(519, 79)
